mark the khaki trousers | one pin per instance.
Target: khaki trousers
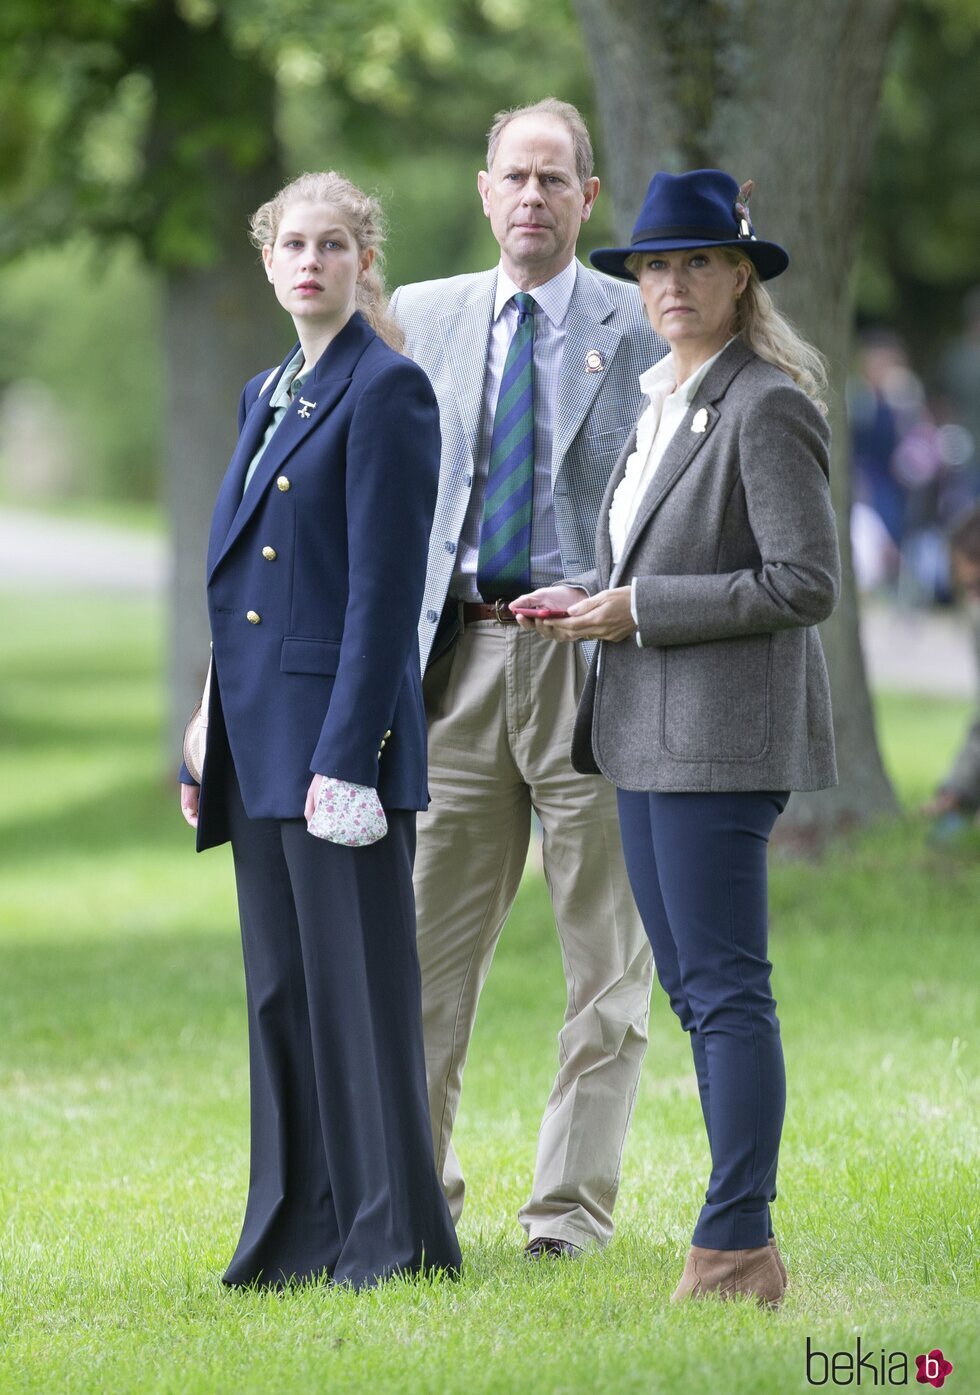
(501, 706)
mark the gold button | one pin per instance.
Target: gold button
(269, 553)
(282, 483)
(253, 617)
(387, 734)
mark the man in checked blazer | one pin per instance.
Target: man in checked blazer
(501, 702)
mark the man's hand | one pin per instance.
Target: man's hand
(190, 798)
(604, 616)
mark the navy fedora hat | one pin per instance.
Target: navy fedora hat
(702, 208)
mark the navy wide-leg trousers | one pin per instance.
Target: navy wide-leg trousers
(697, 866)
(343, 1182)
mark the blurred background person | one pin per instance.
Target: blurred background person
(914, 464)
(959, 381)
(958, 798)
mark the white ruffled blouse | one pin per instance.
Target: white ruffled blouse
(655, 429)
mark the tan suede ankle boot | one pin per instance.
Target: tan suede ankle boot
(779, 1262)
(731, 1273)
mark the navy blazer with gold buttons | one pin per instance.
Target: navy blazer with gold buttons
(315, 579)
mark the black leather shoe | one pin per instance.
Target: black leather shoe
(546, 1247)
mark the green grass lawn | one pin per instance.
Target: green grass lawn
(123, 1099)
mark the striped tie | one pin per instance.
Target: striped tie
(504, 565)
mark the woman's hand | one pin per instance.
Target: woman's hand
(351, 816)
(312, 794)
(190, 798)
(547, 598)
(604, 616)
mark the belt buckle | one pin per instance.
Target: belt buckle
(499, 614)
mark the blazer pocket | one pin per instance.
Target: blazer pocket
(301, 655)
(605, 438)
(715, 704)
(604, 443)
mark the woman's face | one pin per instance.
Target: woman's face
(690, 295)
(314, 263)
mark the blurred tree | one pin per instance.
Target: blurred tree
(164, 122)
(148, 121)
(786, 95)
(168, 121)
(921, 245)
(82, 320)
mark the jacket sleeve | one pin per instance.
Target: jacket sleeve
(392, 478)
(589, 581)
(784, 450)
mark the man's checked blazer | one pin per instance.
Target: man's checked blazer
(608, 344)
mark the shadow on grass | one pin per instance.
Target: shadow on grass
(99, 732)
(94, 1005)
(135, 814)
(75, 666)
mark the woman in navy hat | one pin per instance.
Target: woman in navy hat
(708, 700)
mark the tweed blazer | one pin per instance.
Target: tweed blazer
(447, 327)
(735, 552)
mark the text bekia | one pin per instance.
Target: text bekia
(860, 1367)
(870, 1368)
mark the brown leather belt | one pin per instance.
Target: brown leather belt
(476, 610)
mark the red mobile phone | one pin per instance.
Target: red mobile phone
(542, 612)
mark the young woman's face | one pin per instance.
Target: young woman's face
(314, 263)
(690, 295)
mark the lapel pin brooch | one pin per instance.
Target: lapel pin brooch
(700, 422)
(594, 362)
(305, 408)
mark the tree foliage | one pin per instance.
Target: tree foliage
(116, 118)
(922, 233)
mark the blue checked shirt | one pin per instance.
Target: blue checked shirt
(552, 300)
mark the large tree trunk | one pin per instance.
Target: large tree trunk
(214, 159)
(785, 94)
(221, 326)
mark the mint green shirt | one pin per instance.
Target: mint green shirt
(290, 385)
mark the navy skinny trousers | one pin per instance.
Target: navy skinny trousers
(697, 866)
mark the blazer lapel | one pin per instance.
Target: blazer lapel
(684, 446)
(585, 331)
(603, 547)
(682, 449)
(324, 388)
(230, 494)
(465, 333)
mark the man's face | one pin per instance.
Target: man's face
(534, 199)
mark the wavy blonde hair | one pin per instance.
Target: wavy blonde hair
(362, 216)
(767, 332)
(771, 335)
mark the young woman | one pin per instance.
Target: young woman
(315, 758)
(708, 700)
